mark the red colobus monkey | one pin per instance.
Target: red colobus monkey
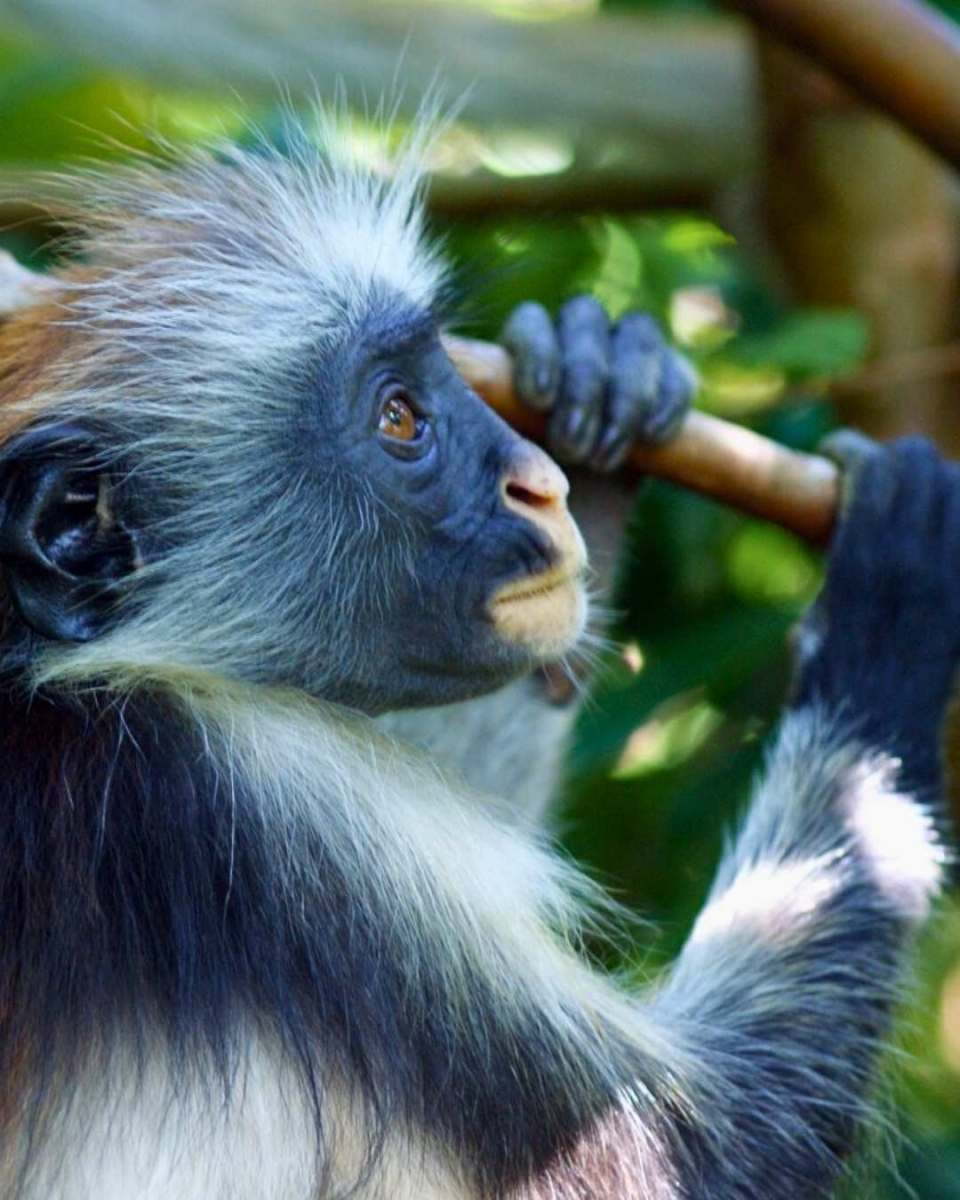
(253, 948)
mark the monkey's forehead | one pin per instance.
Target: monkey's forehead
(242, 235)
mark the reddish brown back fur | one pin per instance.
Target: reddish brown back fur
(35, 344)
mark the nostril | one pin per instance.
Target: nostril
(532, 481)
(523, 495)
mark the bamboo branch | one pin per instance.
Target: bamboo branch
(716, 458)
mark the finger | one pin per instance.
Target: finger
(916, 526)
(584, 333)
(530, 337)
(650, 391)
(873, 493)
(664, 417)
(848, 448)
(919, 469)
(922, 497)
(852, 451)
(612, 450)
(636, 355)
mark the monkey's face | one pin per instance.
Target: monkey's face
(480, 565)
(246, 454)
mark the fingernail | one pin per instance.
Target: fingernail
(574, 427)
(612, 451)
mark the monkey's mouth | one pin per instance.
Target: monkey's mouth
(526, 589)
(544, 613)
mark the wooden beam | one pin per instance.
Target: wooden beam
(900, 55)
(862, 215)
(654, 110)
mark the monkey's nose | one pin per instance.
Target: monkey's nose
(533, 482)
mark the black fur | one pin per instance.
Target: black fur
(795, 1072)
(136, 889)
(886, 630)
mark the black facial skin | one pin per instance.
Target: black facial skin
(440, 500)
(442, 495)
(441, 541)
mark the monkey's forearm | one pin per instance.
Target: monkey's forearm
(793, 967)
(806, 930)
(750, 1071)
(735, 1089)
(785, 989)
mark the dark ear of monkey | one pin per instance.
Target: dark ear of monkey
(63, 553)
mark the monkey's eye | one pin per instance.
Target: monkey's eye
(397, 418)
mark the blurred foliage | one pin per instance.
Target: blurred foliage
(664, 756)
(950, 7)
(672, 6)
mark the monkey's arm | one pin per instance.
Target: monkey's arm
(749, 1072)
(786, 986)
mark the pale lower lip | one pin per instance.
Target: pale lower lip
(545, 616)
(541, 591)
(536, 593)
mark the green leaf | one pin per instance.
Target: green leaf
(810, 342)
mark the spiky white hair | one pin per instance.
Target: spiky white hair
(305, 227)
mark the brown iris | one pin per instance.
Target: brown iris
(398, 421)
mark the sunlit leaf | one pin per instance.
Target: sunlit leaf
(766, 564)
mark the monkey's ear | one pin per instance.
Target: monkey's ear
(63, 553)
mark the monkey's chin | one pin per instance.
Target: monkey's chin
(542, 614)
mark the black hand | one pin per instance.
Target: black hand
(882, 643)
(605, 388)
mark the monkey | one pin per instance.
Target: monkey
(255, 946)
